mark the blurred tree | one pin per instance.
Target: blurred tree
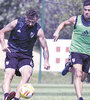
(11, 9)
(55, 12)
(58, 10)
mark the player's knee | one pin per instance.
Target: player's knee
(82, 79)
(78, 74)
(26, 71)
(84, 75)
(26, 75)
(9, 75)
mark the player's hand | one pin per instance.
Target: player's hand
(55, 35)
(6, 49)
(46, 66)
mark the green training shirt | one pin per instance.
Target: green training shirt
(80, 38)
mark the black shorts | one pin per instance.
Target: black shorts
(83, 59)
(17, 60)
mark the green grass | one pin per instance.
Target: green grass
(54, 86)
(47, 78)
(54, 92)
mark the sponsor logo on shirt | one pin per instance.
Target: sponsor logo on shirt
(32, 34)
(85, 33)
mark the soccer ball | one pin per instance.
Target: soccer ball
(26, 91)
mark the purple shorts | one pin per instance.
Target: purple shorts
(83, 59)
(17, 60)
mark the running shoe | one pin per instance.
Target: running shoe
(10, 96)
(80, 98)
(66, 69)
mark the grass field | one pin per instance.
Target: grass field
(54, 92)
(53, 87)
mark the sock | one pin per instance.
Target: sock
(80, 98)
(6, 94)
(16, 98)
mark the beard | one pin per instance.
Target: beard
(87, 18)
(29, 26)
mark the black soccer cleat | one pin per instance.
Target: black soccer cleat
(10, 96)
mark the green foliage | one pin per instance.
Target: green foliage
(56, 11)
(11, 9)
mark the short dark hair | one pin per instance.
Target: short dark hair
(86, 3)
(31, 13)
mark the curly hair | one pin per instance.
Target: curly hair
(86, 3)
(31, 14)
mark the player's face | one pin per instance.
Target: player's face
(86, 12)
(31, 22)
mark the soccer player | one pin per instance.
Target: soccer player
(80, 45)
(23, 33)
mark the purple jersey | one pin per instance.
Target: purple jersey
(22, 37)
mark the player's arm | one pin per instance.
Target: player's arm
(45, 48)
(4, 30)
(62, 25)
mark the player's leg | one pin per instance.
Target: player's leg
(8, 76)
(77, 60)
(84, 75)
(85, 68)
(26, 72)
(10, 66)
(77, 81)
